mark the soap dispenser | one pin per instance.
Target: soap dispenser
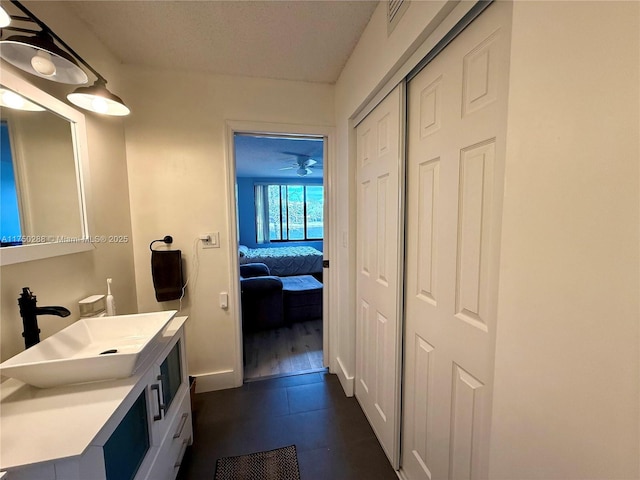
(111, 304)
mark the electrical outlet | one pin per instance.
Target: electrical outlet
(210, 240)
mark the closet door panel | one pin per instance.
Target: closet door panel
(379, 267)
(455, 163)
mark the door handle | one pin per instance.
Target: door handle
(183, 420)
(183, 449)
(161, 406)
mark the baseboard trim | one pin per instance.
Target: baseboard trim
(208, 382)
(401, 475)
(346, 380)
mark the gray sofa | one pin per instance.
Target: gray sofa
(261, 298)
(269, 301)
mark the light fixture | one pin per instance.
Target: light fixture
(11, 99)
(97, 98)
(38, 54)
(5, 19)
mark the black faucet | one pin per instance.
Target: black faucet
(29, 313)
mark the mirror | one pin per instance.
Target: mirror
(43, 160)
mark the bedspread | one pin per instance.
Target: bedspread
(285, 261)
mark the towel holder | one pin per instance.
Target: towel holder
(166, 272)
(168, 239)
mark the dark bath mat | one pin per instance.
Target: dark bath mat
(278, 464)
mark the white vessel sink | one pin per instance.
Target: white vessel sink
(84, 351)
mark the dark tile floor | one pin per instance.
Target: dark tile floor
(331, 434)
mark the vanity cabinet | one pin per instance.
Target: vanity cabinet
(172, 427)
(146, 435)
(153, 434)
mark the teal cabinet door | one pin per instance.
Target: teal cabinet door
(171, 376)
(126, 448)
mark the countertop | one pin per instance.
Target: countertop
(39, 425)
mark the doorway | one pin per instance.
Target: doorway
(280, 219)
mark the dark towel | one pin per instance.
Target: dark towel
(166, 270)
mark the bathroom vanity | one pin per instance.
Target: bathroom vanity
(135, 428)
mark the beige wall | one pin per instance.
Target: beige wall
(65, 280)
(566, 386)
(178, 185)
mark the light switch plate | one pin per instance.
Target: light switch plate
(224, 300)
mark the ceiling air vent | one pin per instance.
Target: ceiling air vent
(396, 9)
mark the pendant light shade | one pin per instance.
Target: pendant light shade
(97, 98)
(40, 56)
(5, 19)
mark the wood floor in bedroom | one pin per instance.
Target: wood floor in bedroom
(285, 350)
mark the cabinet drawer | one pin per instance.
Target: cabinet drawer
(174, 444)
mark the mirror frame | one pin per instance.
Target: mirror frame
(38, 251)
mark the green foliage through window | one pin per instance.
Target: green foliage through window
(294, 212)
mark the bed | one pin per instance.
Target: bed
(284, 261)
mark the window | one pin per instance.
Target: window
(288, 213)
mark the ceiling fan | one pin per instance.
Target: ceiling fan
(302, 165)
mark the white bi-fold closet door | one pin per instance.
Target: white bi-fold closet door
(455, 174)
(379, 269)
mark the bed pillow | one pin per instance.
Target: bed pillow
(243, 250)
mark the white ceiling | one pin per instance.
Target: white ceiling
(294, 40)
